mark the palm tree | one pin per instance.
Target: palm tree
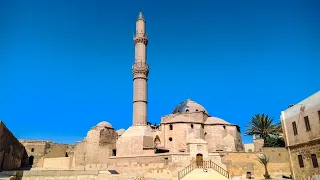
(264, 160)
(262, 125)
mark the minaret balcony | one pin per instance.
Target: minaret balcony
(140, 68)
(142, 39)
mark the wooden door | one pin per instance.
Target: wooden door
(199, 160)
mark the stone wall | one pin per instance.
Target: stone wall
(12, 152)
(239, 164)
(37, 150)
(57, 163)
(305, 150)
(70, 174)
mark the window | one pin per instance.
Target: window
(197, 110)
(66, 155)
(300, 161)
(32, 149)
(192, 126)
(187, 110)
(319, 115)
(224, 127)
(170, 127)
(314, 160)
(294, 126)
(306, 121)
(114, 152)
(170, 138)
(249, 150)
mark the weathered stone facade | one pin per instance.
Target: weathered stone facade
(12, 152)
(241, 164)
(305, 150)
(301, 124)
(37, 150)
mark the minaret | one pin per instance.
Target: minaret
(140, 71)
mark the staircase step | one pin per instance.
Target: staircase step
(199, 174)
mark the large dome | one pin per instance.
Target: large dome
(104, 124)
(215, 120)
(189, 106)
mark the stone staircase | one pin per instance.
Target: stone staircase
(199, 174)
(203, 170)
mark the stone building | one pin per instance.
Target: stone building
(12, 152)
(188, 134)
(37, 150)
(301, 126)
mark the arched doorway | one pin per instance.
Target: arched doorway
(199, 160)
(31, 160)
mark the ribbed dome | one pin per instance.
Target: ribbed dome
(104, 124)
(189, 106)
(120, 131)
(215, 120)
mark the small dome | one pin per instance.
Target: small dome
(120, 131)
(189, 106)
(104, 124)
(215, 120)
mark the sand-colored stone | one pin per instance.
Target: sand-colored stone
(304, 143)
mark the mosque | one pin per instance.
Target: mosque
(189, 129)
(187, 134)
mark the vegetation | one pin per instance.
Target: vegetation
(263, 125)
(264, 160)
(274, 141)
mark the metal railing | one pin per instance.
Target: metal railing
(204, 165)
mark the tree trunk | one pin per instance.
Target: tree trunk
(266, 174)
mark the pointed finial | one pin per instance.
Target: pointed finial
(140, 16)
(188, 98)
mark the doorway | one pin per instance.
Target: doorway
(31, 160)
(199, 160)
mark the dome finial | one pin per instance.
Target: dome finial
(188, 98)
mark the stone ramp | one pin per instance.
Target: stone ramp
(199, 174)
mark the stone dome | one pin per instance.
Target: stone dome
(189, 106)
(104, 124)
(120, 131)
(215, 120)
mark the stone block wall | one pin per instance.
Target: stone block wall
(68, 174)
(37, 150)
(305, 151)
(57, 163)
(239, 164)
(12, 152)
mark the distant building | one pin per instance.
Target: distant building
(301, 126)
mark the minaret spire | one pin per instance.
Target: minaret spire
(140, 71)
(140, 17)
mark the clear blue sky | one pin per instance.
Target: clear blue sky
(66, 65)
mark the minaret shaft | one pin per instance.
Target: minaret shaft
(140, 72)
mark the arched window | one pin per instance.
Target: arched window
(187, 110)
(170, 138)
(170, 127)
(192, 126)
(32, 149)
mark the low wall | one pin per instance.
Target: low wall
(57, 163)
(12, 152)
(239, 164)
(66, 174)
